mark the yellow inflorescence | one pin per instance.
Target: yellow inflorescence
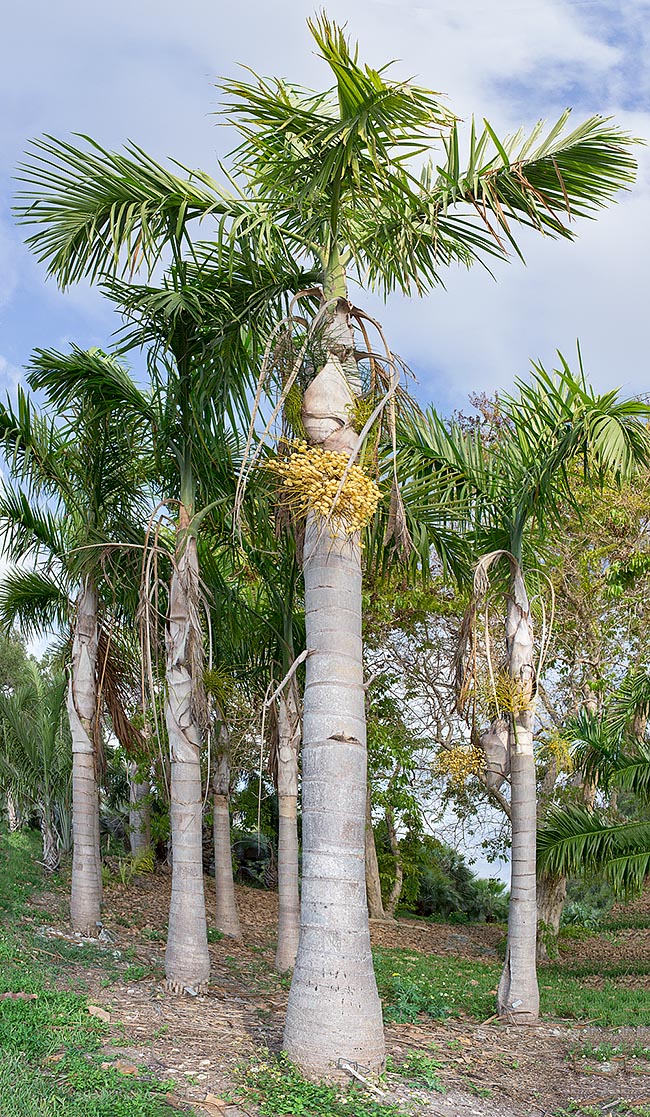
(559, 748)
(310, 479)
(459, 763)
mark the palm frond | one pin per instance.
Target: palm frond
(34, 601)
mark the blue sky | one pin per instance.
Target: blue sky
(146, 70)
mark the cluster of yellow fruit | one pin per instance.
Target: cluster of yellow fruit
(460, 762)
(310, 479)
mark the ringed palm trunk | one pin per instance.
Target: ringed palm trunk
(518, 994)
(288, 894)
(139, 812)
(334, 1012)
(373, 881)
(227, 917)
(187, 962)
(86, 892)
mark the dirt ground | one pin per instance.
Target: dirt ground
(489, 1069)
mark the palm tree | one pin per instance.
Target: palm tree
(507, 495)
(194, 330)
(82, 488)
(327, 175)
(35, 754)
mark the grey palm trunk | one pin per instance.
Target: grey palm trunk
(518, 993)
(187, 961)
(373, 881)
(289, 733)
(86, 891)
(227, 916)
(334, 1013)
(139, 812)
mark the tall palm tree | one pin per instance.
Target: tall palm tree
(194, 328)
(80, 488)
(507, 495)
(35, 754)
(327, 176)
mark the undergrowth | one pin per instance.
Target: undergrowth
(410, 984)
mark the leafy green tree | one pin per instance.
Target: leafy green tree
(330, 176)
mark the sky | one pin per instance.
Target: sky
(146, 70)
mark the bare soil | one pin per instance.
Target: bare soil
(492, 1069)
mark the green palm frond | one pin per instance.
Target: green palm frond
(466, 210)
(98, 212)
(33, 446)
(574, 840)
(27, 529)
(631, 697)
(33, 600)
(595, 748)
(97, 378)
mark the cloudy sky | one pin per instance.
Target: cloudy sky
(146, 70)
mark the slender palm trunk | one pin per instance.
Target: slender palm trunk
(518, 994)
(13, 815)
(187, 962)
(86, 893)
(51, 854)
(139, 812)
(288, 895)
(396, 890)
(373, 881)
(227, 919)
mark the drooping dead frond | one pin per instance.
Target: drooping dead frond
(118, 687)
(466, 658)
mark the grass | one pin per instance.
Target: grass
(603, 1052)
(51, 1059)
(276, 1087)
(441, 987)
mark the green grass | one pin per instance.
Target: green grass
(441, 987)
(276, 1087)
(603, 1052)
(50, 1047)
(418, 1068)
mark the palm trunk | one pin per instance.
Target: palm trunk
(13, 815)
(396, 890)
(334, 1011)
(373, 881)
(187, 962)
(139, 813)
(288, 895)
(518, 994)
(86, 893)
(551, 894)
(227, 916)
(51, 854)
